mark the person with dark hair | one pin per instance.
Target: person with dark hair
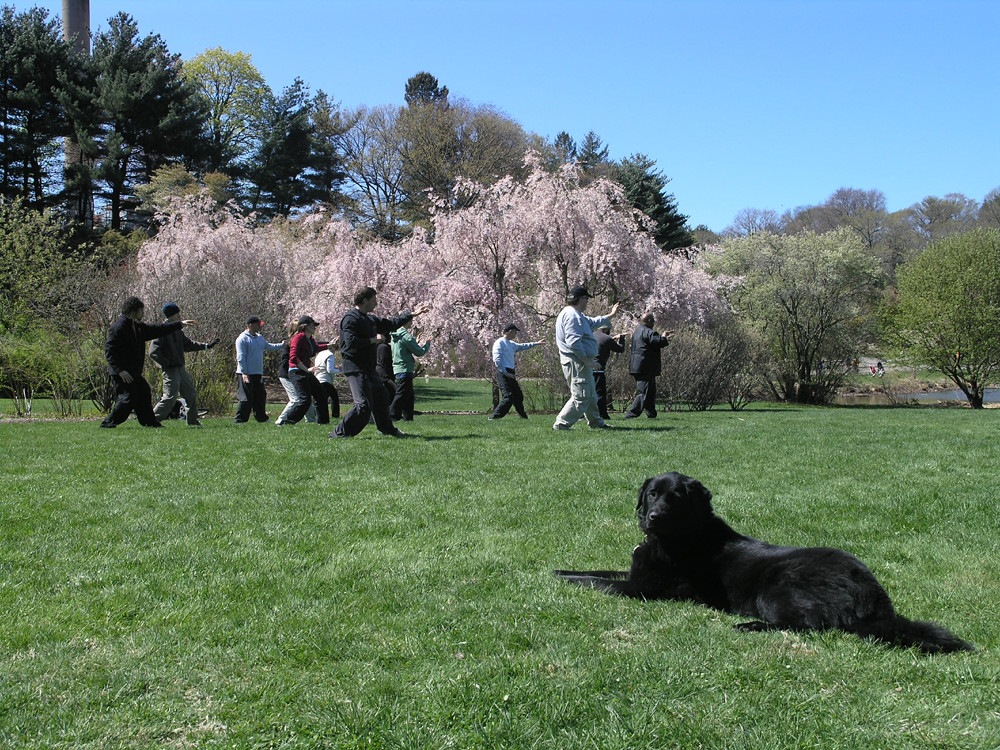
(302, 352)
(578, 358)
(606, 344)
(168, 353)
(504, 349)
(295, 398)
(404, 348)
(125, 351)
(644, 365)
(250, 391)
(358, 329)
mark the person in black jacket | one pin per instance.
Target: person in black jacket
(358, 330)
(125, 351)
(645, 365)
(606, 343)
(168, 352)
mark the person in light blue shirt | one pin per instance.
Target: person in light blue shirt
(250, 393)
(578, 358)
(504, 349)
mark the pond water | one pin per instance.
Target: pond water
(990, 396)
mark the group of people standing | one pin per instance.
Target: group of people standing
(365, 342)
(585, 345)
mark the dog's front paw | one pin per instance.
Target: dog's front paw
(753, 627)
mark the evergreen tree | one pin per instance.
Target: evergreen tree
(31, 118)
(150, 113)
(592, 157)
(423, 88)
(645, 187)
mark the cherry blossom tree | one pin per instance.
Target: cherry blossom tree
(511, 255)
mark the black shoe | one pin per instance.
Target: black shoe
(108, 425)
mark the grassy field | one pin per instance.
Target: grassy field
(255, 587)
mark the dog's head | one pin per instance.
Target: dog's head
(673, 505)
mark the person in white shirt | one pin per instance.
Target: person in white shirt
(325, 368)
(504, 349)
(577, 355)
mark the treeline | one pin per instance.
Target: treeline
(109, 138)
(893, 237)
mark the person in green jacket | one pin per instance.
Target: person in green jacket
(404, 348)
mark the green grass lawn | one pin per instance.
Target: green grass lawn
(254, 587)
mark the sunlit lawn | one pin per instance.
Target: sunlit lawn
(250, 586)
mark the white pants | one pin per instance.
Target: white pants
(582, 394)
(294, 398)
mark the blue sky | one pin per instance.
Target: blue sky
(767, 104)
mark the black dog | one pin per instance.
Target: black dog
(690, 553)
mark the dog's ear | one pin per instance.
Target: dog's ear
(640, 506)
(697, 491)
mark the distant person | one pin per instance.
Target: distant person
(383, 365)
(606, 344)
(325, 369)
(645, 366)
(125, 351)
(504, 349)
(880, 369)
(404, 348)
(250, 392)
(358, 329)
(168, 352)
(578, 358)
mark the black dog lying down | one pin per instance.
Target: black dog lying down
(690, 553)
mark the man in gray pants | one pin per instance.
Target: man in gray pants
(168, 352)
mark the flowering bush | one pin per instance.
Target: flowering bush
(511, 255)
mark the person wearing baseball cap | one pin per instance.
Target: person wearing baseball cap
(250, 392)
(578, 358)
(504, 349)
(168, 353)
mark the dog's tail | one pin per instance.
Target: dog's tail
(929, 637)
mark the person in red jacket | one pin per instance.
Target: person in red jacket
(302, 352)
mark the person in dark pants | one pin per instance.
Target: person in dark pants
(504, 349)
(404, 348)
(250, 392)
(125, 351)
(383, 365)
(645, 365)
(325, 368)
(358, 329)
(606, 343)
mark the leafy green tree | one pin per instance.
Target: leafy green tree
(935, 218)
(237, 98)
(31, 118)
(807, 296)
(645, 187)
(946, 313)
(439, 144)
(151, 113)
(34, 257)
